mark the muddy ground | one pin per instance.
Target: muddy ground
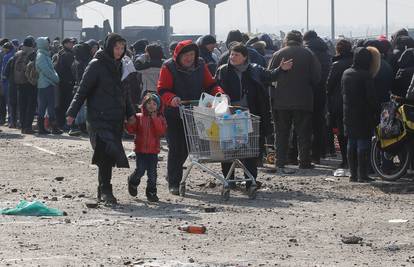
(298, 220)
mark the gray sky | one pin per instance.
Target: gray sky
(359, 17)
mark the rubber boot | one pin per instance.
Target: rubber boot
(41, 125)
(353, 165)
(363, 162)
(107, 195)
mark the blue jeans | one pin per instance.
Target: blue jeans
(148, 163)
(359, 144)
(46, 101)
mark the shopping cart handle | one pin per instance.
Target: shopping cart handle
(189, 102)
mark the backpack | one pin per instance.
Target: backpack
(31, 72)
(20, 64)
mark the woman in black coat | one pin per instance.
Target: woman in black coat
(244, 84)
(108, 105)
(360, 108)
(341, 62)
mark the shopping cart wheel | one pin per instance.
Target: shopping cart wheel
(182, 190)
(252, 192)
(225, 194)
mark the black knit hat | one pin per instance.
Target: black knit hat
(8, 46)
(28, 42)
(67, 40)
(309, 35)
(208, 39)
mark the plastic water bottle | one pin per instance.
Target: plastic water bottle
(227, 141)
(242, 127)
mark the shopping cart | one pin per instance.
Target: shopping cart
(203, 150)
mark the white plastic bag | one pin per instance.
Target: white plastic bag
(221, 107)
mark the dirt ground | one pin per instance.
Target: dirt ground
(296, 220)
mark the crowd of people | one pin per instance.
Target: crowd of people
(304, 93)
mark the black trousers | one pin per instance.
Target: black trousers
(319, 133)
(302, 122)
(13, 104)
(145, 163)
(27, 104)
(64, 98)
(105, 166)
(177, 147)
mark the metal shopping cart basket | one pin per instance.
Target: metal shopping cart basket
(202, 132)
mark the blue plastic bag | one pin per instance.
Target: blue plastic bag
(34, 208)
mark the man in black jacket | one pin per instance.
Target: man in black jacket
(292, 100)
(63, 66)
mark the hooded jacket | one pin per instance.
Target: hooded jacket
(360, 103)
(47, 74)
(82, 53)
(148, 131)
(321, 51)
(108, 104)
(186, 84)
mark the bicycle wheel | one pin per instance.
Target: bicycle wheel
(390, 166)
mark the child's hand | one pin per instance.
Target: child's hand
(132, 120)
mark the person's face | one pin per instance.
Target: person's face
(94, 49)
(237, 58)
(151, 106)
(119, 50)
(210, 47)
(69, 45)
(187, 59)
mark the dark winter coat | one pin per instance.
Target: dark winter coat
(294, 89)
(383, 82)
(333, 86)
(64, 66)
(405, 71)
(252, 83)
(321, 51)
(108, 105)
(359, 98)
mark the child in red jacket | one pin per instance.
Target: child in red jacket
(150, 126)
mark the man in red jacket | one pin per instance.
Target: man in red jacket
(183, 77)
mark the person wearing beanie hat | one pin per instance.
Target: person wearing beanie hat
(293, 100)
(139, 47)
(27, 92)
(360, 108)
(320, 146)
(94, 45)
(108, 105)
(244, 83)
(183, 77)
(150, 125)
(206, 46)
(63, 65)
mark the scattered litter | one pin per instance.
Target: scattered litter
(330, 180)
(34, 208)
(210, 209)
(351, 239)
(91, 205)
(392, 247)
(398, 221)
(59, 178)
(193, 229)
(342, 173)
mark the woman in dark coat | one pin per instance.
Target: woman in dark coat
(244, 84)
(360, 108)
(108, 105)
(341, 62)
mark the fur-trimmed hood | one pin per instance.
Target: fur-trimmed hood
(376, 61)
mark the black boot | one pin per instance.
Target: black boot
(363, 162)
(353, 165)
(55, 129)
(107, 195)
(41, 125)
(133, 183)
(151, 193)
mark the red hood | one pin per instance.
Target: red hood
(183, 44)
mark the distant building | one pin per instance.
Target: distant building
(20, 19)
